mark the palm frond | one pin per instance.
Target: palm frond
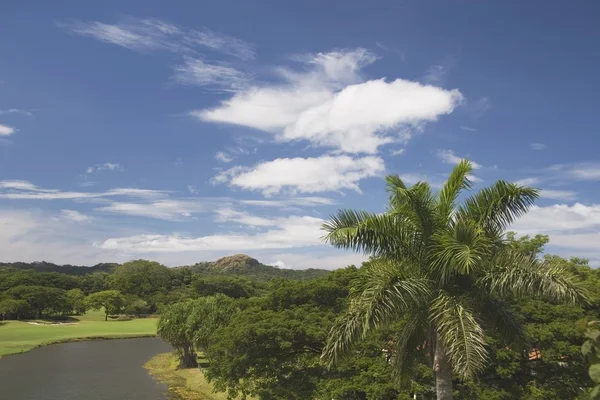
(394, 182)
(499, 315)
(457, 182)
(497, 206)
(516, 274)
(410, 341)
(379, 296)
(460, 249)
(415, 204)
(460, 333)
(378, 235)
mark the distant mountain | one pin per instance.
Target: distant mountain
(236, 265)
(43, 266)
(243, 265)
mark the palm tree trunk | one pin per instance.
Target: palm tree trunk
(443, 372)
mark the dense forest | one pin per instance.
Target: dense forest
(263, 329)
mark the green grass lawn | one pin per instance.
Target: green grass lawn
(184, 384)
(20, 336)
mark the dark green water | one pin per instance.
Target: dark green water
(92, 370)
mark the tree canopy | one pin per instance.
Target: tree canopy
(442, 266)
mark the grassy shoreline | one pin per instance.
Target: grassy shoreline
(17, 337)
(77, 339)
(183, 384)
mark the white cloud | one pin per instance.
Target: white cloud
(146, 35)
(586, 171)
(103, 167)
(474, 178)
(24, 190)
(467, 128)
(448, 157)
(31, 235)
(398, 152)
(6, 130)
(412, 178)
(222, 43)
(192, 189)
(538, 146)
(288, 232)
(196, 72)
(564, 195)
(290, 202)
(231, 215)
(331, 105)
(278, 264)
(17, 111)
(167, 209)
(320, 260)
(559, 218)
(527, 181)
(304, 175)
(75, 216)
(575, 227)
(224, 157)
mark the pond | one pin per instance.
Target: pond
(91, 370)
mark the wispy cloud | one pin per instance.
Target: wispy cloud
(538, 146)
(330, 104)
(448, 157)
(147, 35)
(222, 43)
(192, 189)
(476, 109)
(103, 167)
(283, 232)
(6, 130)
(467, 128)
(24, 190)
(564, 195)
(16, 111)
(582, 171)
(397, 152)
(303, 175)
(527, 181)
(438, 73)
(392, 49)
(166, 209)
(223, 157)
(75, 216)
(195, 72)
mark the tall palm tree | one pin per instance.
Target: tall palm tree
(443, 268)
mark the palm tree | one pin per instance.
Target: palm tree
(443, 268)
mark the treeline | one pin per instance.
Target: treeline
(37, 290)
(269, 344)
(262, 334)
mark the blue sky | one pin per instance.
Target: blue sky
(189, 131)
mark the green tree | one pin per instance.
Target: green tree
(234, 287)
(111, 300)
(135, 306)
(442, 266)
(11, 308)
(173, 328)
(76, 300)
(189, 325)
(143, 278)
(40, 299)
(591, 351)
